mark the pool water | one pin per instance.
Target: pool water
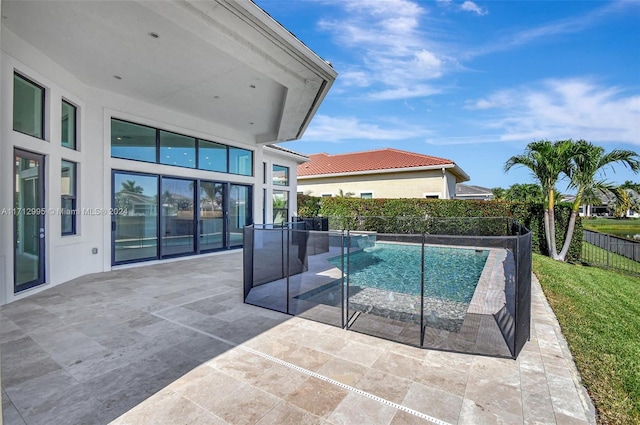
(450, 273)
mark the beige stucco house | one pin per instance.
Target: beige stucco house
(382, 173)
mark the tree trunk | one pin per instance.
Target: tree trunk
(553, 250)
(569, 236)
(547, 236)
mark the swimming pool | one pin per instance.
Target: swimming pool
(450, 273)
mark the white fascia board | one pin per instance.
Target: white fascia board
(297, 157)
(456, 170)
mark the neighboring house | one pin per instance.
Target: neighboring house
(605, 207)
(143, 130)
(464, 191)
(383, 173)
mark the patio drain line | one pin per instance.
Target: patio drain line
(311, 373)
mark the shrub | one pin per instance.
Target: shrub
(440, 216)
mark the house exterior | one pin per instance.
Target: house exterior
(382, 173)
(139, 131)
(467, 191)
(605, 207)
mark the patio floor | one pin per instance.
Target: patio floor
(173, 343)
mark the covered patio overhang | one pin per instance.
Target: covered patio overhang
(227, 62)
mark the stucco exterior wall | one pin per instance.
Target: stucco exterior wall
(410, 184)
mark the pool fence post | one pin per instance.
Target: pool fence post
(344, 312)
(347, 271)
(288, 266)
(422, 295)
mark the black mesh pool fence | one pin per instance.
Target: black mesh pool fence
(469, 292)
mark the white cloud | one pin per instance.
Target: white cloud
(405, 92)
(469, 6)
(393, 54)
(563, 109)
(324, 128)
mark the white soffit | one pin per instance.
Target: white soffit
(222, 61)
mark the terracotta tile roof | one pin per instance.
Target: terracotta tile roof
(381, 159)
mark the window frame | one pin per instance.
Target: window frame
(73, 187)
(273, 175)
(75, 125)
(43, 99)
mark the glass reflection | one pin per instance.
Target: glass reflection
(136, 224)
(133, 141)
(211, 216)
(176, 149)
(177, 222)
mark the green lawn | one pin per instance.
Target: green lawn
(613, 226)
(599, 312)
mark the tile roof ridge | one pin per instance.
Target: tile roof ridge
(420, 155)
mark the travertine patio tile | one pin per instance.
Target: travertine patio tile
(287, 413)
(398, 365)
(384, 385)
(357, 409)
(359, 353)
(167, 407)
(317, 397)
(136, 337)
(433, 402)
(342, 371)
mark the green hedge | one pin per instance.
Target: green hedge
(439, 216)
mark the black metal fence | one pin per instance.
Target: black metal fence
(611, 252)
(469, 292)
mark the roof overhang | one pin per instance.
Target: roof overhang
(460, 175)
(287, 153)
(225, 61)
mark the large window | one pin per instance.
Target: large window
(142, 143)
(240, 161)
(280, 206)
(68, 189)
(133, 141)
(212, 156)
(68, 136)
(28, 107)
(176, 149)
(280, 175)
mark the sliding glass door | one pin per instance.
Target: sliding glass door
(212, 217)
(161, 216)
(239, 212)
(178, 219)
(135, 227)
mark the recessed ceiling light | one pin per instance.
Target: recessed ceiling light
(216, 97)
(117, 77)
(251, 123)
(252, 86)
(154, 35)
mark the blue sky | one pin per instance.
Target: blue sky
(472, 81)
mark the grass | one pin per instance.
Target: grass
(599, 312)
(612, 225)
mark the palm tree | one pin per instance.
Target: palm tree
(130, 186)
(587, 162)
(498, 193)
(527, 192)
(547, 161)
